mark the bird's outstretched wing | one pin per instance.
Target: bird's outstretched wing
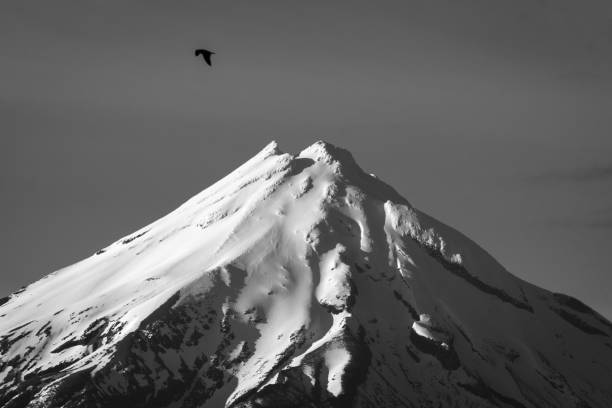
(207, 56)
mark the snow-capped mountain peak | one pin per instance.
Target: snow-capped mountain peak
(298, 280)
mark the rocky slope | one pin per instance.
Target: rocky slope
(298, 281)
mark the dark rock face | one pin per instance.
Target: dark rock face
(445, 355)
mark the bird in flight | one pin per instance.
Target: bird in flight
(204, 53)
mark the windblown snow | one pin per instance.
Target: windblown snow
(298, 281)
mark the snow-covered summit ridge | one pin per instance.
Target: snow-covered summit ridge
(328, 153)
(294, 280)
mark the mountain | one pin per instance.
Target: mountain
(298, 281)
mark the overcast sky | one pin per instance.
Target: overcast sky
(492, 116)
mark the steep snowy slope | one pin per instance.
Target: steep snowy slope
(298, 281)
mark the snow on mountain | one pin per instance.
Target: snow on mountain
(298, 281)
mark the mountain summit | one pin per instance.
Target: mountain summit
(298, 281)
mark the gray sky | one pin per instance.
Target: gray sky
(492, 116)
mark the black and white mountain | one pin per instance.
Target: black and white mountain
(298, 281)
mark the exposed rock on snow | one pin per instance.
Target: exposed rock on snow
(298, 281)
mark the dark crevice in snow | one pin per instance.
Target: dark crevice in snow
(578, 322)
(482, 390)
(38, 376)
(413, 355)
(413, 313)
(550, 381)
(13, 330)
(91, 337)
(467, 339)
(572, 303)
(580, 307)
(44, 329)
(130, 239)
(461, 272)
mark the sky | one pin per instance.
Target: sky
(492, 116)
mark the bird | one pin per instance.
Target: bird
(204, 53)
